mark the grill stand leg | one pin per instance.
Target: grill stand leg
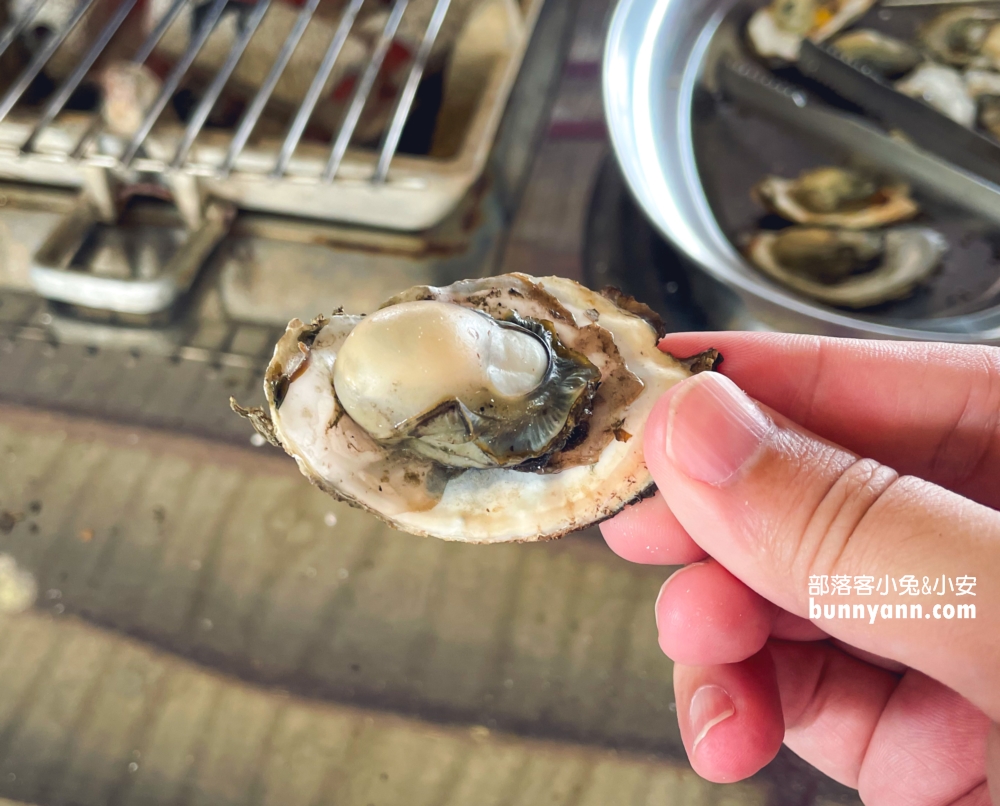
(57, 274)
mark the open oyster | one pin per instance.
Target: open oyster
(777, 30)
(883, 54)
(508, 408)
(836, 197)
(965, 37)
(942, 87)
(848, 268)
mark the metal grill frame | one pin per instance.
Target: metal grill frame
(377, 188)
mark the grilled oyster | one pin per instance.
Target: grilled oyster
(509, 408)
(777, 30)
(885, 55)
(848, 268)
(943, 88)
(836, 197)
(964, 37)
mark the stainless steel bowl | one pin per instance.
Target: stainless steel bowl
(654, 64)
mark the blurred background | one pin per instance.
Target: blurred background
(183, 618)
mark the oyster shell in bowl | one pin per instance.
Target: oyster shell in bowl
(509, 408)
(943, 88)
(836, 197)
(777, 30)
(882, 54)
(848, 268)
(968, 36)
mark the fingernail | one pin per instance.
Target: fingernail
(714, 428)
(663, 588)
(710, 705)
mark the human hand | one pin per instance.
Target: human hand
(756, 499)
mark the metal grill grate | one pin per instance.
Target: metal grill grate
(231, 163)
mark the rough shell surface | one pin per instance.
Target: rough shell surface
(587, 480)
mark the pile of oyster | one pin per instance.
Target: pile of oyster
(842, 247)
(500, 409)
(954, 65)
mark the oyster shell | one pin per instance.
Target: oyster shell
(943, 88)
(777, 30)
(963, 37)
(982, 82)
(989, 115)
(885, 55)
(848, 268)
(836, 197)
(508, 408)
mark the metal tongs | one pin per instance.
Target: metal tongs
(938, 156)
(923, 124)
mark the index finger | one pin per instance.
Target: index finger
(926, 409)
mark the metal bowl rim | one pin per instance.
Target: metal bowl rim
(628, 70)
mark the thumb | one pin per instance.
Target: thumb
(777, 506)
(993, 761)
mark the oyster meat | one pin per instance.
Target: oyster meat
(836, 197)
(942, 87)
(777, 30)
(848, 268)
(503, 409)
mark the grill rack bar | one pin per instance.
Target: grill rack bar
(363, 90)
(256, 107)
(409, 93)
(66, 89)
(218, 84)
(147, 47)
(305, 110)
(173, 80)
(13, 28)
(38, 61)
(180, 160)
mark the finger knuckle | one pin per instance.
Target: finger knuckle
(974, 433)
(831, 537)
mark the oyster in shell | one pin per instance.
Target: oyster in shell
(942, 87)
(836, 197)
(777, 30)
(964, 37)
(885, 55)
(507, 408)
(848, 268)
